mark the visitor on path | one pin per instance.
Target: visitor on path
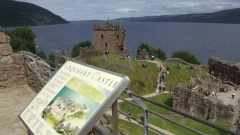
(160, 79)
(216, 94)
(163, 77)
(213, 93)
(142, 119)
(153, 57)
(157, 86)
(160, 88)
(129, 113)
(160, 69)
(220, 75)
(233, 95)
(171, 89)
(168, 69)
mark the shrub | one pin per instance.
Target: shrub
(22, 39)
(77, 47)
(186, 56)
(157, 52)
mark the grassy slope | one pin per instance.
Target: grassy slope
(142, 82)
(142, 79)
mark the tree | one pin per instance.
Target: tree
(160, 54)
(22, 39)
(51, 59)
(147, 47)
(77, 47)
(42, 55)
(186, 56)
(157, 52)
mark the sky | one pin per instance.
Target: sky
(76, 10)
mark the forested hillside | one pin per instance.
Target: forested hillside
(14, 13)
(224, 16)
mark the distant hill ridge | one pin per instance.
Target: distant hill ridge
(14, 13)
(224, 16)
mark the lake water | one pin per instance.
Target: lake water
(201, 39)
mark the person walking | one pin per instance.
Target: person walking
(157, 88)
(233, 95)
(129, 113)
(213, 93)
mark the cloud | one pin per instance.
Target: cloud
(126, 10)
(182, 5)
(94, 9)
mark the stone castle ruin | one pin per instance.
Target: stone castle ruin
(228, 72)
(25, 68)
(196, 104)
(109, 39)
(198, 100)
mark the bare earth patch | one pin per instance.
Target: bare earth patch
(12, 102)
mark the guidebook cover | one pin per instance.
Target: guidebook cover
(73, 100)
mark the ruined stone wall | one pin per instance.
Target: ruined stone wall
(11, 65)
(88, 52)
(197, 104)
(226, 68)
(12, 70)
(36, 74)
(143, 55)
(178, 60)
(16, 69)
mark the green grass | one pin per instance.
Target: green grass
(142, 83)
(142, 79)
(129, 128)
(166, 99)
(183, 75)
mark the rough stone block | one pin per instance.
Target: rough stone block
(3, 38)
(5, 49)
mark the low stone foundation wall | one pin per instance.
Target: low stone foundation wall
(15, 70)
(197, 104)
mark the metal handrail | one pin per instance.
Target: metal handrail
(181, 113)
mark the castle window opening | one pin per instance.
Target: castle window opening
(106, 45)
(102, 36)
(117, 36)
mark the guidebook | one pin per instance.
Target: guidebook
(73, 100)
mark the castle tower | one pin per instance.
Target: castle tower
(109, 39)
